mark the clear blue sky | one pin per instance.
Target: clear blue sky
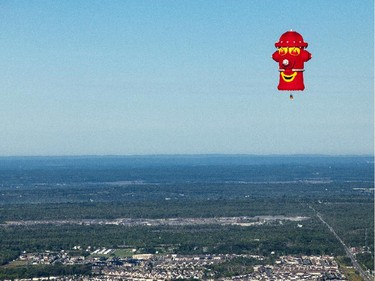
(183, 77)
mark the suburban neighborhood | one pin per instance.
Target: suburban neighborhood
(107, 266)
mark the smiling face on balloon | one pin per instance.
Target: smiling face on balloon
(287, 55)
(291, 57)
(288, 78)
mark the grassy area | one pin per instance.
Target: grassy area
(15, 264)
(351, 273)
(347, 269)
(123, 253)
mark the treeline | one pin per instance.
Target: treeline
(44, 271)
(285, 238)
(8, 254)
(152, 209)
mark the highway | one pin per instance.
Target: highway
(356, 265)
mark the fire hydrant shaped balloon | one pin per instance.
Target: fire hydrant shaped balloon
(291, 56)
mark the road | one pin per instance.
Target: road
(356, 265)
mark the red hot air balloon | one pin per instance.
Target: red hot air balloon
(291, 56)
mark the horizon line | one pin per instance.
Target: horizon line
(188, 155)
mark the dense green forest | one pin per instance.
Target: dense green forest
(44, 270)
(152, 209)
(284, 239)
